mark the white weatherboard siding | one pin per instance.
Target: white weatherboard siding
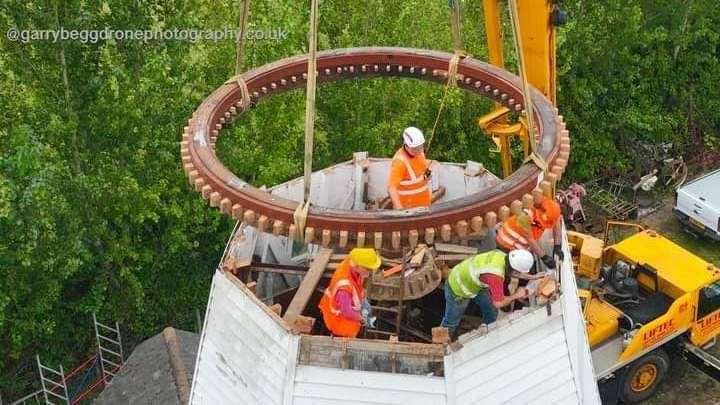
(535, 358)
(577, 340)
(325, 386)
(518, 362)
(244, 353)
(247, 356)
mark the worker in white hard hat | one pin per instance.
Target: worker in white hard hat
(480, 278)
(408, 182)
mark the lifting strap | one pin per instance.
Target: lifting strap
(300, 215)
(451, 82)
(459, 54)
(310, 99)
(456, 24)
(239, 54)
(240, 48)
(244, 93)
(299, 219)
(532, 134)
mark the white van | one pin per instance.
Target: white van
(697, 205)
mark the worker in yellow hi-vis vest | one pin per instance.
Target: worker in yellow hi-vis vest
(480, 278)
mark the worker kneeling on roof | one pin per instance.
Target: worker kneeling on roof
(408, 182)
(524, 230)
(480, 278)
(344, 306)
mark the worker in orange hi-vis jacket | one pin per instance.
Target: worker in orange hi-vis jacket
(408, 182)
(524, 230)
(343, 305)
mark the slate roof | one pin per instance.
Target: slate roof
(157, 371)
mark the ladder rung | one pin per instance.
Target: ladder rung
(110, 351)
(107, 327)
(51, 370)
(112, 363)
(108, 339)
(53, 382)
(55, 394)
(109, 372)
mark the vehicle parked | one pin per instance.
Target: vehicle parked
(697, 205)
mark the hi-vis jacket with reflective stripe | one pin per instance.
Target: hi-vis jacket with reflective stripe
(407, 174)
(335, 322)
(512, 236)
(464, 278)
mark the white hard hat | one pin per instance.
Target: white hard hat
(413, 137)
(521, 260)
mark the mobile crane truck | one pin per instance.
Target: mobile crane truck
(643, 298)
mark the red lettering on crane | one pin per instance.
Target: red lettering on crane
(658, 333)
(709, 323)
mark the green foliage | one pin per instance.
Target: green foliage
(638, 70)
(95, 211)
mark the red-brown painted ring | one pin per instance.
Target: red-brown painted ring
(226, 190)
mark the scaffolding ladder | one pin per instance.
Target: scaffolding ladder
(110, 351)
(48, 391)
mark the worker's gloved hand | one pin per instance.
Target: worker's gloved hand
(557, 251)
(367, 315)
(521, 292)
(428, 174)
(549, 261)
(365, 307)
(369, 322)
(365, 310)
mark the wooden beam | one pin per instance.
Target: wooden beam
(303, 324)
(448, 248)
(307, 287)
(252, 286)
(452, 257)
(440, 335)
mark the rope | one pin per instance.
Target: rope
(537, 159)
(456, 30)
(240, 47)
(451, 82)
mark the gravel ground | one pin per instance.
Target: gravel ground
(685, 384)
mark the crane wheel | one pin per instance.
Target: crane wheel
(644, 376)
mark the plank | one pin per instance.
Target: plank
(449, 248)
(307, 287)
(395, 269)
(452, 258)
(418, 256)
